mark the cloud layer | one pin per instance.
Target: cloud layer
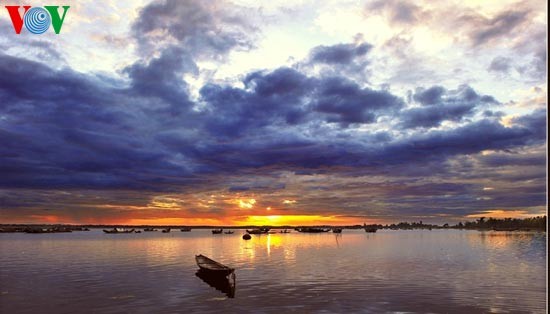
(331, 142)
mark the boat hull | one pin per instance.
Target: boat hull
(211, 267)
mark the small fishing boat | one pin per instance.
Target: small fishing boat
(119, 230)
(149, 229)
(285, 231)
(167, 230)
(370, 229)
(229, 232)
(217, 231)
(337, 230)
(210, 266)
(185, 229)
(258, 231)
(312, 230)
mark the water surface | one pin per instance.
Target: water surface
(439, 271)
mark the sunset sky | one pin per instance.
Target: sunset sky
(275, 112)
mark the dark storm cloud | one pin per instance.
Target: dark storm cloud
(286, 96)
(345, 102)
(441, 105)
(535, 122)
(500, 25)
(509, 159)
(469, 139)
(339, 54)
(430, 96)
(272, 98)
(64, 129)
(160, 78)
(207, 29)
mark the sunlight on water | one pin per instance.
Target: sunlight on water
(389, 271)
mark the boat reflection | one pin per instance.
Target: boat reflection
(224, 284)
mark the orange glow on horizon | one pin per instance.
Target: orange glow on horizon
(499, 213)
(296, 220)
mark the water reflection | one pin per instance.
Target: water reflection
(439, 271)
(224, 284)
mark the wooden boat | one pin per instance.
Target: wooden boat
(167, 230)
(337, 230)
(229, 232)
(212, 267)
(312, 230)
(119, 230)
(185, 229)
(285, 231)
(149, 229)
(217, 231)
(258, 231)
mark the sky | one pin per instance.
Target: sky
(272, 112)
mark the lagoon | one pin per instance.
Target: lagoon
(414, 271)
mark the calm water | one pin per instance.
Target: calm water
(443, 271)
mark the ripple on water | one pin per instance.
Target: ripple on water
(391, 271)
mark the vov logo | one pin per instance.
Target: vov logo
(37, 20)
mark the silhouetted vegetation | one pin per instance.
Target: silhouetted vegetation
(505, 224)
(483, 223)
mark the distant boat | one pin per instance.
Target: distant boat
(217, 231)
(258, 231)
(119, 230)
(312, 230)
(337, 230)
(149, 229)
(285, 231)
(210, 266)
(47, 230)
(229, 232)
(38, 230)
(370, 229)
(185, 229)
(167, 230)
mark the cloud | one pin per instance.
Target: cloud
(441, 105)
(205, 29)
(400, 12)
(489, 29)
(65, 129)
(161, 78)
(500, 64)
(339, 54)
(318, 131)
